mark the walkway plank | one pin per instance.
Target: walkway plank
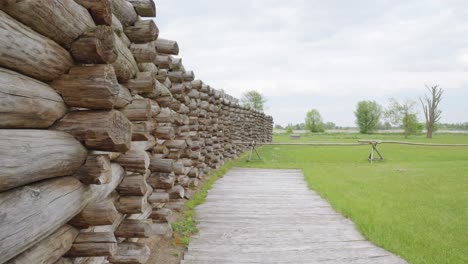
(270, 216)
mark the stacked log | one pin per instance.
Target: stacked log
(103, 132)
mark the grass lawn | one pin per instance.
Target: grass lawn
(415, 203)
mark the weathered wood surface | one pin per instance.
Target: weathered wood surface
(27, 103)
(31, 213)
(95, 46)
(50, 249)
(60, 20)
(270, 216)
(89, 86)
(28, 156)
(28, 52)
(99, 130)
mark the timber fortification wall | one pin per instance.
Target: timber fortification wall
(102, 131)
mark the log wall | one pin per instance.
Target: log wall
(103, 132)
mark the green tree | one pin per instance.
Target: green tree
(368, 116)
(329, 125)
(254, 100)
(314, 121)
(404, 115)
(411, 125)
(289, 129)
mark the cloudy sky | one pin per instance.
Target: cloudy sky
(328, 55)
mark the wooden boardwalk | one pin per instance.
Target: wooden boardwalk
(270, 216)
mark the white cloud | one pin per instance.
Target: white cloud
(323, 49)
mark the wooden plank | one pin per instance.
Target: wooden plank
(270, 216)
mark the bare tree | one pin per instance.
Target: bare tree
(430, 104)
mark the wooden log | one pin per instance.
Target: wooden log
(132, 204)
(164, 132)
(176, 64)
(90, 86)
(124, 12)
(131, 253)
(177, 192)
(133, 185)
(142, 31)
(124, 97)
(144, 8)
(100, 10)
(144, 145)
(158, 197)
(27, 52)
(176, 76)
(95, 46)
(144, 52)
(161, 149)
(62, 21)
(99, 130)
(143, 83)
(142, 130)
(178, 168)
(112, 155)
(162, 180)
(162, 214)
(33, 212)
(27, 103)
(135, 161)
(156, 92)
(188, 76)
(162, 61)
(125, 40)
(96, 170)
(28, 156)
(117, 26)
(138, 110)
(50, 249)
(134, 228)
(93, 244)
(97, 213)
(125, 65)
(148, 67)
(161, 165)
(166, 115)
(176, 144)
(155, 108)
(167, 46)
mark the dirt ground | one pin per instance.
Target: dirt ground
(164, 250)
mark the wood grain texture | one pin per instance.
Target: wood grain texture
(60, 20)
(125, 65)
(144, 8)
(89, 86)
(124, 12)
(32, 213)
(28, 156)
(270, 216)
(95, 46)
(98, 130)
(27, 103)
(167, 46)
(101, 10)
(50, 249)
(28, 52)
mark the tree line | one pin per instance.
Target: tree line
(369, 114)
(403, 114)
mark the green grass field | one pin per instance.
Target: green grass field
(415, 203)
